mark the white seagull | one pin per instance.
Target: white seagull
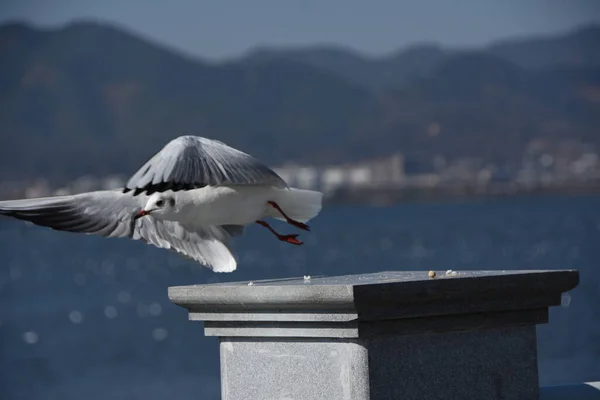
(191, 197)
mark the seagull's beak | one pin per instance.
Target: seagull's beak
(141, 214)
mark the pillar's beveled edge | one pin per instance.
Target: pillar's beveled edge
(401, 302)
(241, 296)
(365, 329)
(406, 293)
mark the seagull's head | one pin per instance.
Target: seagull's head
(159, 205)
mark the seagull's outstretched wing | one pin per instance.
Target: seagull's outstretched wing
(190, 162)
(110, 214)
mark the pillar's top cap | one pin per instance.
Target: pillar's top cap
(401, 293)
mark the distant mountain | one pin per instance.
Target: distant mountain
(94, 99)
(485, 107)
(578, 48)
(381, 73)
(103, 100)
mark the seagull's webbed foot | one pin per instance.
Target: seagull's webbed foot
(290, 221)
(284, 238)
(290, 239)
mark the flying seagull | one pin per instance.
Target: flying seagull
(191, 197)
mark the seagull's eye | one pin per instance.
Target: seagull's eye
(160, 203)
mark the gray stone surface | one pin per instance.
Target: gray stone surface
(357, 328)
(344, 306)
(381, 295)
(488, 364)
(260, 369)
(389, 335)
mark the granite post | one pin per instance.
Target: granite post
(387, 335)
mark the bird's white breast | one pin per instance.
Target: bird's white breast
(226, 205)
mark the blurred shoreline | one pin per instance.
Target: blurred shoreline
(390, 196)
(372, 195)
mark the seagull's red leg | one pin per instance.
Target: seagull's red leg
(289, 220)
(284, 238)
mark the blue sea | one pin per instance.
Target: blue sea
(84, 317)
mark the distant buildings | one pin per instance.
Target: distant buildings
(543, 163)
(387, 171)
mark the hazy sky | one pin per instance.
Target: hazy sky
(225, 28)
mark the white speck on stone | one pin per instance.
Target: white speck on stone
(30, 337)
(250, 284)
(76, 317)
(124, 297)
(155, 309)
(110, 312)
(159, 334)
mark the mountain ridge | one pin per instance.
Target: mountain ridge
(423, 58)
(94, 99)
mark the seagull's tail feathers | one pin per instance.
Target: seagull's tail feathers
(298, 204)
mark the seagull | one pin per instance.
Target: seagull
(192, 197)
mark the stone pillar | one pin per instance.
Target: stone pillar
(387, 335)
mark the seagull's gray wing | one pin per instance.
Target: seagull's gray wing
(204, 244)
(110, 214)
(190, 162)
(104, 213)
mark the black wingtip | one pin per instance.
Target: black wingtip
(163, 187)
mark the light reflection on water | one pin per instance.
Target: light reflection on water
(86, 317)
